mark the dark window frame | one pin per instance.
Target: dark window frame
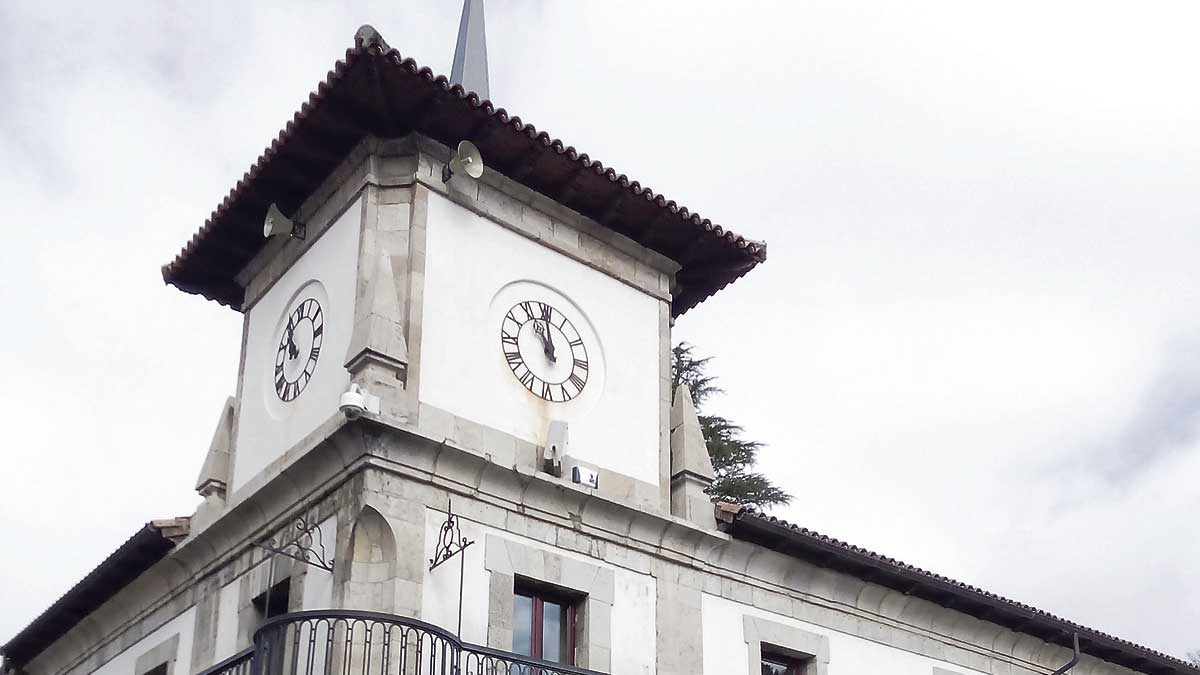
(273, 601)
(777, 657)
(539, 594)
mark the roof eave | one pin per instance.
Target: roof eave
(141, 551)
(375, 90)
(750, 525)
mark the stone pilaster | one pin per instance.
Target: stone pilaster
(378, 354)
(691, 467)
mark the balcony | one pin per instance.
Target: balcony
(345, 642)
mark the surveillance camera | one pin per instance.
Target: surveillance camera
(357, 402)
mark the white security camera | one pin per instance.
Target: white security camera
(357, 401)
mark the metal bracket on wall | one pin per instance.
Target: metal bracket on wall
(307, 545)
(451, 542)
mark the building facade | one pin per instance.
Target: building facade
(454, 447)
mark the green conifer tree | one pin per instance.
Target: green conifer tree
(733, 457)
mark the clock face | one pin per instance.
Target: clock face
(544, 351)
(299, 349)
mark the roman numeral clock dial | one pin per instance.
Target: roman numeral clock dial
(299, 349)
(544, 350)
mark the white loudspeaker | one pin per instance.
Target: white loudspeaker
(465, 159)
(276, 224)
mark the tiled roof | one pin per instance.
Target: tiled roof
(376, 91)
(751, 525)
(139, 553)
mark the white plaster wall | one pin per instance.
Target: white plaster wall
(633, 624)
(225, 644)
(633, 617)
(470, 261)
(726, 653)
(184, 625)
(267, 426)
(439, 594)
(318, 583)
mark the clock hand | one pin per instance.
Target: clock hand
(547, 340)
(549, 344)
(293, 350)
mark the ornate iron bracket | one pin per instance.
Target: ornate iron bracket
(451, 541)
(307, 545)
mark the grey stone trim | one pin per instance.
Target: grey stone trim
(166, 652)
(507, 559)
(374, 161)
(664, 404)
(812, 648)
(413, 294)
(397, 585)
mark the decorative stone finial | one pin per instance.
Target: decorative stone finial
(470, 67)
(214, 476)
(691, 468)
(378, 331)
(367, 36)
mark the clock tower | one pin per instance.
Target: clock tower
(520, 313)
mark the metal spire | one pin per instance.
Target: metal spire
(470, 54)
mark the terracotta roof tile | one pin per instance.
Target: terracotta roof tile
(746, 522)
(376, 90)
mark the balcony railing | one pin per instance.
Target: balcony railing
(344, 642)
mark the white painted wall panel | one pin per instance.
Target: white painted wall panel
(471, 266)
(266, 425)
(633, 624)
(725, 650)
(318, 583)
(227, 622)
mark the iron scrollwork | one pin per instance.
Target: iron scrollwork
(451, 541)
(306, 545)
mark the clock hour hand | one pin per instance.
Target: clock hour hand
(293, 350)
(547, 341)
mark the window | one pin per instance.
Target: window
(775, 664)
(274, 601)
(544, 623)
(160, 660)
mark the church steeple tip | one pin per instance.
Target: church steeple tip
(470, 69)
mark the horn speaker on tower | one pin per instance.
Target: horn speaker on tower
(465, 159)
(275, 224)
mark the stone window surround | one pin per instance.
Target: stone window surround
(165, 653)
(506, 559)
(812, 648)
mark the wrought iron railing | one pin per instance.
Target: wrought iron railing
(346, 642)
(238, 664)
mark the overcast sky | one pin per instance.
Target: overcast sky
(975, 344)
